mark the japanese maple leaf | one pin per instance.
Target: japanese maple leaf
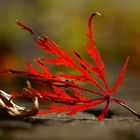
(59, 82)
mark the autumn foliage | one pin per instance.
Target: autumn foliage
(93, 73)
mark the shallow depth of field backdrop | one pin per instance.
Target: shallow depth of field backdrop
(117, 34)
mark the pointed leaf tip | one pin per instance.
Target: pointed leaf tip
(22, 25)
(92, 15)
(120, 77)
(89, 24)
(97, 13)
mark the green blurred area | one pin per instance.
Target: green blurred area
(117, 32)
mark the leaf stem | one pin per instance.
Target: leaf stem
(126, 106)
(82, 88)
(67, 84)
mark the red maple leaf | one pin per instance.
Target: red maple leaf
(77, 101)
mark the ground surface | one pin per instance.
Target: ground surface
(86, 128)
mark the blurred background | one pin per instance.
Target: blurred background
(117, 34)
